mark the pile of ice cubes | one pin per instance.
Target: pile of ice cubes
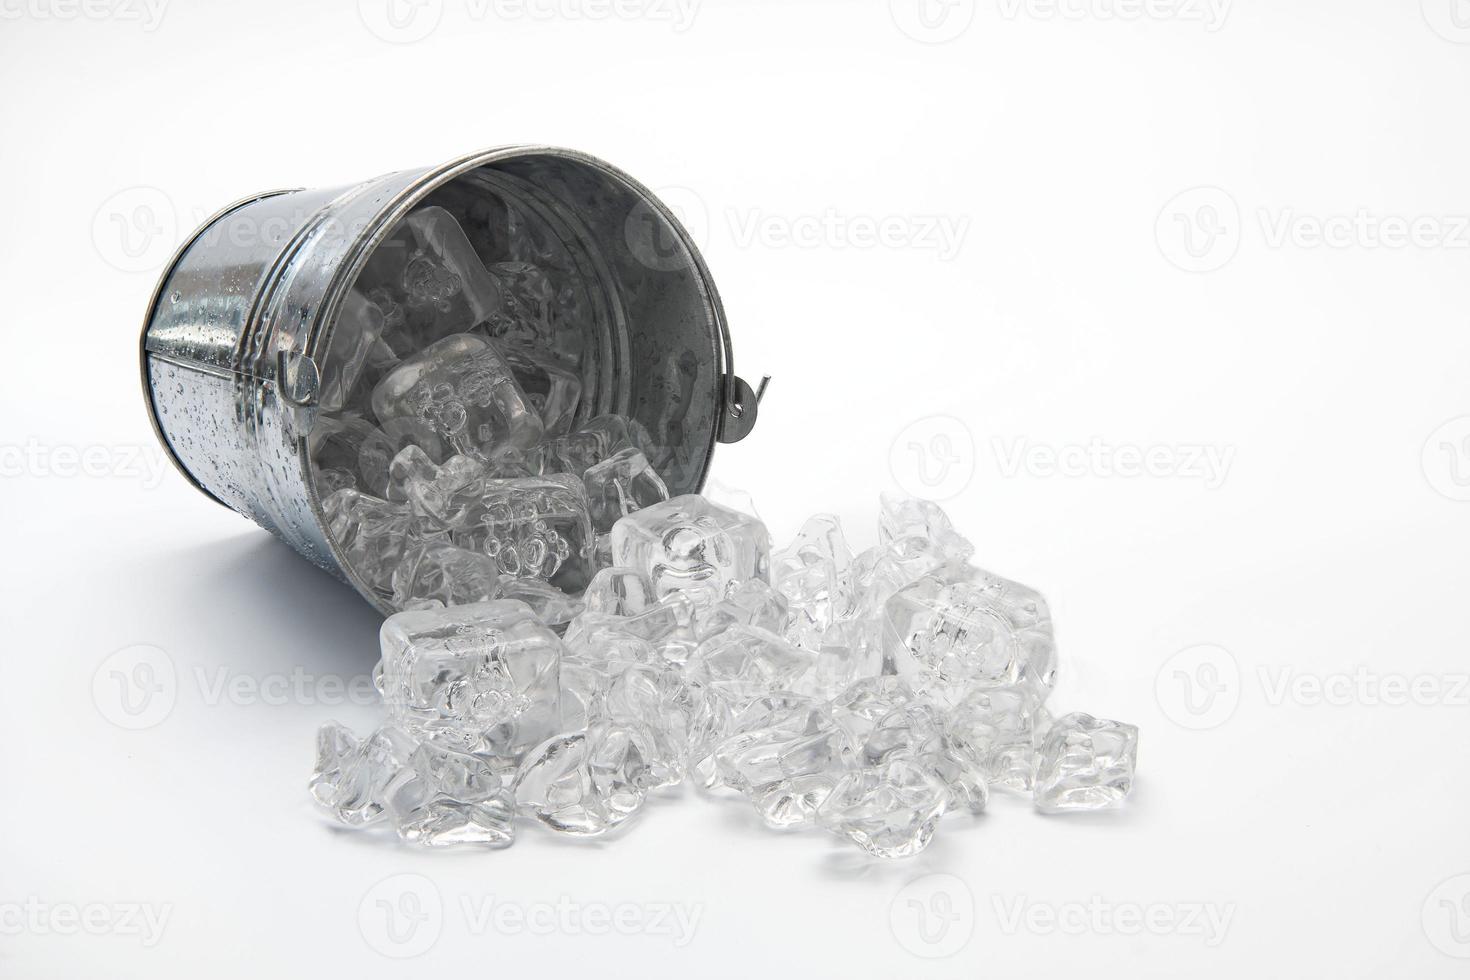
(572, 640)
(865, 695)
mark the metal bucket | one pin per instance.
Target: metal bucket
(238, 336)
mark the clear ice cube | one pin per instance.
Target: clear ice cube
(436, 570)
(528, 314)
(745, 662)
(551, 388)
(583, 689)
(787, 769)
(877, 574)
(619, 591)
(345, 442)
(623, 483)
(352, 777)
(815, 574)
(596, 440)
(462, 390)
(848, 651)
(716, 717)
(586, 783)
(446, 286)
(718, 492)
(1084, 763)
(443, 493)
(891, 811)
(448, 797)
(751, 603)
(993, 732)
(887, 719)
(961, 629)
(329, 481)
(655, 697)
(553, 607)
(914, 529)
(598, 637)
(358, 327)
(689, 544)
(372, 534)
(534, 527)
(481, 676)
(967, 786)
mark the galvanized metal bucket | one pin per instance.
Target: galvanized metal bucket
(238, 335)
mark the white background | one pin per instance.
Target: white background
(1092, 306)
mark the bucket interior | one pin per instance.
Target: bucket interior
(591, 326)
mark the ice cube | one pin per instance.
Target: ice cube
(447, 797)
(716, 491)
(553, 607)
(528, 314)
(919, 530)
(462, 390)
(619, 591)
(655, 697)
(961, 629)
(847, 652)
(444, 273)
(437, 570)
(1085, 763)
(623, 483)
(598, 638)
(967, 786)
(751, 603)
(877, 575)
(551, 388)
(815, 574)
(534, 527)
(715, 717)
(352, 777)
(993, 731)
(690, 544)
(357, 329)
(372, 534)
(787, 769)
(329, 481)
(621, 607)
(587, 783)
(583, 689)
(891, 811)
(442, 493)
(596, 440)
(886, 719)
(745, 662)
(483, 676)
(345, 442)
